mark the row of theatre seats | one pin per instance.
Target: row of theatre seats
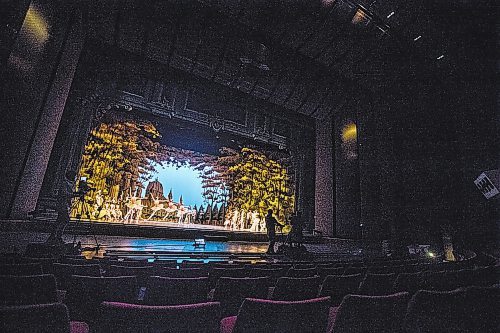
(132, 296)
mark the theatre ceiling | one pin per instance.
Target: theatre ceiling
(305, 56)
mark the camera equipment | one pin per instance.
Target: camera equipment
(81, 206)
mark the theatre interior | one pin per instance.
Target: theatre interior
(249, 166)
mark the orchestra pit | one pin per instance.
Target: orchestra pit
(249, 166)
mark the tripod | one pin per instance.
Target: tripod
(81, 208)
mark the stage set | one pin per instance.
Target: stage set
(170, 153)
(237, 187)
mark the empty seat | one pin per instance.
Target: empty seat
(301, 272)
(325, 271)
(273, 273)
(359, 313)
(182, 272)
(217, 273)
(231, 292)
(142, 273)
(377, 284)
(337, 286)
(131, 263)
(355, 270)
(486, 276)
(165, 263)
(295, 289)
(174, 291)
(122, 317)
(85, 294)
(21, 269)
(473, 309)
(63, 273)
(409, 282)
(51, 317)
(24, 290)
(304, 265)
(262, 316)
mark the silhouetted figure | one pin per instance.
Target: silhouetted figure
(64, 197)
(271, 224)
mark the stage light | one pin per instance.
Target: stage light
(36, 25)
(360, 17)
(349, 133)
(431, 254)
(389, 16)
(417, 38)
(440, 57)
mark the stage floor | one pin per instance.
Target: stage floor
(149, 248)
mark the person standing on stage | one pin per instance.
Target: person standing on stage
(271, 224)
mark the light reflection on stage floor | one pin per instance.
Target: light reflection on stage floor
(110, 245)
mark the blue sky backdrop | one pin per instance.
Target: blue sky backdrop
(184, 181)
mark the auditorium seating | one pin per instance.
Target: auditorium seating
(141, 272)
(44, 318)
(163, 284)
(63, 272)
(21, 269)
(25, 290)
(86, 293)
(337, 286)
(181, 272)
(123, 317)
(377, 284)
(359, 313)
(231, 292)
(301, 272)
(296, 289)
(258, 315)
(472, 309)
(175, 291)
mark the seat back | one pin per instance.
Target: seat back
(122, 317)
(337, 286)
(295, 289)
(409, 282)
(21, 269)
(63, 273)
(437, 311)
(258, 315)
(217, 273)
(273, 273)
(323, 272)
(175, 291)
(51, 317)
(231, 292)
(377, 284)
(355, 270)
(86, 293)
(358, 313)
(301, 272)
(24, 290)
(182, 272)
(142, 273)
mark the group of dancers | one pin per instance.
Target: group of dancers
(162, 210)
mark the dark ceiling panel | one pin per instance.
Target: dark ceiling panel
(161, 38)
(210, 52)
(186, 45)
(131, 28)
(285, 87)
(102, 20)
(265, 85)
(300, 31)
